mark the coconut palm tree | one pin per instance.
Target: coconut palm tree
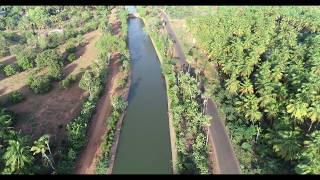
(297, 109)
(314, 114)
(310, 159)
(17, 156)
(246, 87)
(233, 85)
(41, 146)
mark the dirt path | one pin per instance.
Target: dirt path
(88, 158)
(124, 92)
(223, 151)
(98, 124)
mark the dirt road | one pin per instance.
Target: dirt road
(97, 126)
(87, 160)
(226, 160)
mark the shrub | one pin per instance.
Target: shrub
(25, 57)
(47, 58)
(71, 57)
(4, 51)
(16, 97)
(43, 42)
(91, 84)
(68, 81)
(55, 72)
(55, 39)
(71, 47)
(10, 70)
(119, 103)
(39, 84)
(123, 81)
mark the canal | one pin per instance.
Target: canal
(144, 144)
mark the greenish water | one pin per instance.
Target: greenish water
(144, 144)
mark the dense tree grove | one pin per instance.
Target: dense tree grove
(268, 83)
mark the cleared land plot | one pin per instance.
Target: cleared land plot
(50, 112)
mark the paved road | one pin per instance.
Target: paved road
(226, 160)
(176, 44)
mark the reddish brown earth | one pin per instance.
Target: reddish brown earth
(89, 157)
(49, 113)
(8, 60)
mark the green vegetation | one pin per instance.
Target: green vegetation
(10, 69)
(92, 81)
(68, 81)
(25, 56)
(16, 149)
(119, 104)
(123, 17)
(39, 83)
(77, 128)
(16, 97)
(267, 85)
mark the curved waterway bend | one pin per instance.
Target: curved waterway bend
(144, 144)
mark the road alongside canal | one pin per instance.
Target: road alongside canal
(226, 159)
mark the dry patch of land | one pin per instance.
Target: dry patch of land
(87, 160)
(89, 157)
(49, 113)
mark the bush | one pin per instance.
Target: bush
(122, 82)
(55, 72)
(25, 57)
(10, 70)
(16, 97)
(68, 81)
(54, 40)
(71, 47)
(70, 33)
(39, 84)
(71, 57)
(4, 51)
(47, 58)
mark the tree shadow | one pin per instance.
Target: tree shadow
(80, 50)
(8, 60)
(2, 90)
(4, 97)
(69, 69)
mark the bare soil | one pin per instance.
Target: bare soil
(89, 157)
(49, 113)
(8, 60)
